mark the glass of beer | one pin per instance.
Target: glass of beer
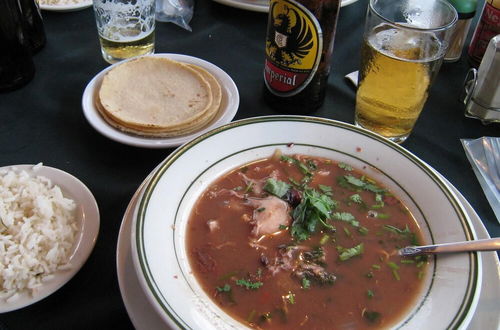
(126, 28)
(403, 47)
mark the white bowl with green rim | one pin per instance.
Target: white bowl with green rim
(452, 284)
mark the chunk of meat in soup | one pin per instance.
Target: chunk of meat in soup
(269, 215)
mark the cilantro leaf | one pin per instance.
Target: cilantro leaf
(347, 217)
(314, 208)
(356, 198)
(248, 284)
(348, 253)
(354, 183)
(345, 166)
(276, 187)
(325, 189)
(396, 230)
(404, 233)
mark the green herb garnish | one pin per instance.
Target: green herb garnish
(324, 239)
(347, 217)
(325, 189)
(306, 284)
(379, 198)
(370, 294)
(248, 284)
(345, 166)
(348, 253)
(363, 230)
(405, 233)
(225, 288)
(276, 187)
(394, 268)
(356, 198)
(315, 208)
(371, 316)
(291, 297)
(353, 183)
(248, 188)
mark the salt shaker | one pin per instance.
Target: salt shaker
(482, 86)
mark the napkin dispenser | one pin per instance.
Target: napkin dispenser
(482, 86)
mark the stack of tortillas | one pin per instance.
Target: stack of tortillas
(156, 96)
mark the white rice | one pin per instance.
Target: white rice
(37, 231)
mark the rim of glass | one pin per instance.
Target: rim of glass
(406, 27)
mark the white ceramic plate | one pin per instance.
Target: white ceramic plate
(139, 309)
(229, 106)
(261, 5)
(87, 216)
(453, 282)
(144, 317)
(67, 5)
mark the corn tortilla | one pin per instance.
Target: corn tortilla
(154, 93)
(133, 111)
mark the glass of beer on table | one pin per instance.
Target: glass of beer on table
(126, 28)
(403, 47)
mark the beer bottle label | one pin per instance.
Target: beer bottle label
(293, 47)
(487, 28)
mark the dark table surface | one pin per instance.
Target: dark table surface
(43, 122)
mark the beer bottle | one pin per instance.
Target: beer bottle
(16, 64)
(33, 24)
(486, 29)
(299, 46)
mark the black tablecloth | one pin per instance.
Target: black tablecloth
(43, 122)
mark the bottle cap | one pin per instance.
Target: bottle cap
(465, 8)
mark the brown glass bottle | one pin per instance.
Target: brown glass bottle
(16, 64)
(487, 27)
(299, 47)
(33, 24)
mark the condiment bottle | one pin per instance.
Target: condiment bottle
(299, 46)
(16, 64)
(33, 24)
(483, 90)
(487, 28)
(466, 10)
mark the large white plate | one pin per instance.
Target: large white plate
(229, 106)
(262, 5)
(87, 216)
(144, 317)
(140, 311)
(68, 6)
(452, 284)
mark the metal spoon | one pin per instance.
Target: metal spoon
(490, 244)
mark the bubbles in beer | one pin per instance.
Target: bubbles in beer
(405, 45)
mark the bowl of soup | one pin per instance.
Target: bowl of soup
(288, 222)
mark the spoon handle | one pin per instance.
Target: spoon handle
(490, 244)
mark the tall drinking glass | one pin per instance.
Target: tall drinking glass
(126, 28)
(403, 47)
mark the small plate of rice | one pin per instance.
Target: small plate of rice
(49, 222)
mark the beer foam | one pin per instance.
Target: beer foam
(120, 21)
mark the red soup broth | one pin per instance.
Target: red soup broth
(296, 242)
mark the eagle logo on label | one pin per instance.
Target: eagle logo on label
(293, 47)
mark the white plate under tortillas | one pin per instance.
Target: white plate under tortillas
(229, 106)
